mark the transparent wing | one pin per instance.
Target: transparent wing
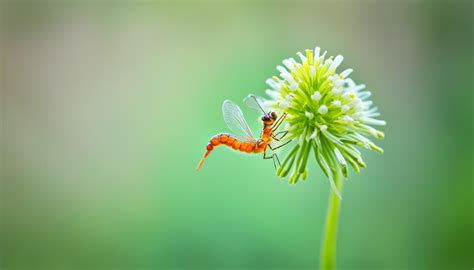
(256, 103)
(234, 118)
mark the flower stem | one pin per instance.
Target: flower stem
(328, 246)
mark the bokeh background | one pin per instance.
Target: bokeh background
(106, 110)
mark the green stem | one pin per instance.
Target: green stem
(328, 246)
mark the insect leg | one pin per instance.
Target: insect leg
(274, 136)
(265, 155)
(281, 145)
(277, 159)
(270, 157)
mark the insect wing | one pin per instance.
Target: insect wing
(234, 118)
(256, 103)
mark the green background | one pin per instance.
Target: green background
(107, 108)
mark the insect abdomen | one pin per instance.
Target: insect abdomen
(230, 141)
(220, 139)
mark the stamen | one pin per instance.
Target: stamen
(345, 108)
(282, 69)
(301, 56)
(337, 61)
(323, 109)
(273, 94)
(316, 53)
(288, 64)
(337, 90)
(284, 104)
(293, 86)
(273, 84)
(347, 119)
(346, 73)
(316, 96)
(312, 71)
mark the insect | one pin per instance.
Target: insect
(247, 143)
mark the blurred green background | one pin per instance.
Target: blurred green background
(107, 108)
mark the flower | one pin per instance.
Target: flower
(328, 114)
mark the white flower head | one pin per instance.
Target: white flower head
(338, 118)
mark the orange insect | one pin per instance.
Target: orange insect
(247, 143)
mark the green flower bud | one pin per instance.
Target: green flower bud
(328, 114)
